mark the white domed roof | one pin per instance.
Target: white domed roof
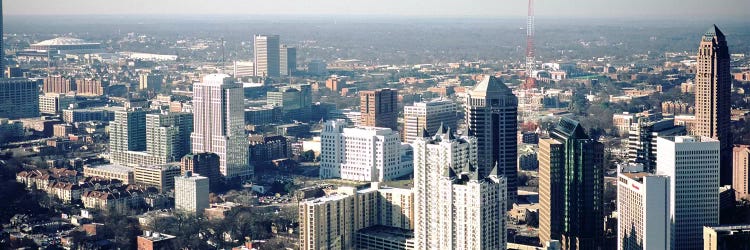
(63, 41)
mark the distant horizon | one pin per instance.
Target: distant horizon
(636, 9)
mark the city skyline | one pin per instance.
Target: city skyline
(439, 8)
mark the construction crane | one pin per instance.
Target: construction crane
(530, 81)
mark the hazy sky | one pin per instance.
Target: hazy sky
(421, 8)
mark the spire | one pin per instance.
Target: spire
(425, 133)
(494, 170)
(449, 172)
(441, 129)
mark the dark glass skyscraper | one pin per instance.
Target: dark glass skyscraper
(491, 117)
(571, 188)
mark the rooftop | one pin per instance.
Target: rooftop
(63, 41)
(111, 168)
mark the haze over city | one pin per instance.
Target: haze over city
(331, 124)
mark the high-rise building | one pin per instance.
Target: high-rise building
(741, 171)
(455, 207)
(713, 82)
(571, 187)
(428, 115)
(692, 164)
(191, 193)
(138, 138)
(204, 164)
(2, 47)
(287, 60)
(361, 154)
(491, 111)
(19, 98)
(379, 108)
(735, 237)
(343, 218)
(642, 140)
(642, 206)
(158, 176)
(266, 53)
(127, 132)
(219, 124)
(150, 81)
(58, 84)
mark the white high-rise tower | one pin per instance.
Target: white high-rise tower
(218, 125)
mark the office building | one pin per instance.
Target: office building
(266, 53)
(19, 98)
(54, 103)
(491, 111)
(191, 193)
(571, 187)
(713, 82)
(317, 67)
(295, 102)
(642, 140)
(642, 205)
(361, 154)
(219, 124)
(204, 164)
(346, 218)
(379, 108)
(150, 81)
(353, 118)
(58, 84)
(428, 115)
(243, 69)
(287, 60)
(741, 171)
(158, 176)
(692, 164)
(455, 208)
(10, 130)
(735, 237)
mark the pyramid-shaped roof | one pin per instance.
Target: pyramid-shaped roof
(490, 86)
(712, 32)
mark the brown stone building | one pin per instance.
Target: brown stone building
(379, 108)
(58, 84)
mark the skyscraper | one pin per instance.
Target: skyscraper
(19, 98)
(642, 140)
(455, 207)
(379, 108)
(571, 188)
(427, 115)
(713, 82)
(2, 48)
(287, 60)
(150, 81)
(643, 208)
(191, 193)
(266, 53)
(218, 124)
(692, 164)
(741, 173)
(491, 110)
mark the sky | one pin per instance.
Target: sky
(409, 8)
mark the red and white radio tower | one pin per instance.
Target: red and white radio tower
(530, 83)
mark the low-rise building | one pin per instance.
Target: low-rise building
(111, 171)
